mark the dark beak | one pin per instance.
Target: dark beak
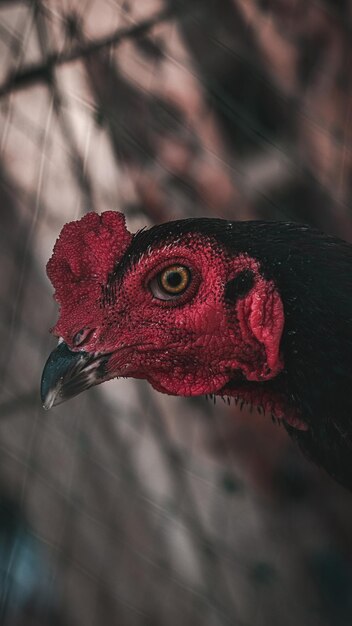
(67, 373)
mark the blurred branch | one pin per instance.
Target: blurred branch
(75, 157)
(249, 107)
(43, 71)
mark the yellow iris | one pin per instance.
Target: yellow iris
(174, 279)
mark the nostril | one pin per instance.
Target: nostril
(83, 336)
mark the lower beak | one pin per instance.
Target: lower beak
(67, 373)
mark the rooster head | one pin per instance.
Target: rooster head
(169, 304)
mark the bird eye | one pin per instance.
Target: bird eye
(171, 282)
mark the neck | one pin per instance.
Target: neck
(266, 397)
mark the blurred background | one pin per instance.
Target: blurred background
(123, 506)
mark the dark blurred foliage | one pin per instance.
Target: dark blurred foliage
(26, 594)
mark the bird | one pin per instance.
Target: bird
(258, 311)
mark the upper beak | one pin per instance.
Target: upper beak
(67, 373)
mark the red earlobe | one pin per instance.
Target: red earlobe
(261, 318)
(266, 321)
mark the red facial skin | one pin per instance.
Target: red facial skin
(191, 345)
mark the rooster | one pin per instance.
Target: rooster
(259, 311)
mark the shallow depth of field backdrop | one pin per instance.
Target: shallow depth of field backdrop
(123, 506)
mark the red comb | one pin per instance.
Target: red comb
(84, 255)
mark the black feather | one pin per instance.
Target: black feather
(313, 273)
(239, 286)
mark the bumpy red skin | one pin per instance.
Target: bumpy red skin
(84, 255)
(189, 346)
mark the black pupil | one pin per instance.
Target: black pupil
(174, 279)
